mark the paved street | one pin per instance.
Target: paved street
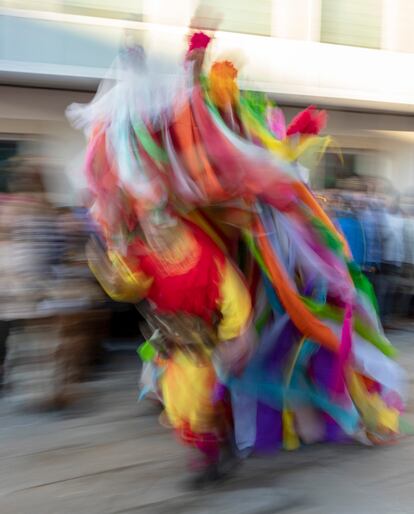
(111, 455)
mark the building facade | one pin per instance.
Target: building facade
(354, 57)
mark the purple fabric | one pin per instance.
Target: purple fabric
(322, 364)
(281, 351)
(333, 432)
(269, 429)
(219, 393)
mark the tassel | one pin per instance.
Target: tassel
(290, 437)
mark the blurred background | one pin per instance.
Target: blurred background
(353, 57)
(58, 330)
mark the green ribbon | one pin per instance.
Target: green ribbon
(155, 151)
(249, 239)
(363, 284)
(337, 314)
(146, 352)
(263, 319)
(331, 240)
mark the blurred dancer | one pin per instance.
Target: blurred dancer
(321, 369)
(203, 301)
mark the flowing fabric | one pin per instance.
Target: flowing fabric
(229, 166)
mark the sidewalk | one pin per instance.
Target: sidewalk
(111, 456)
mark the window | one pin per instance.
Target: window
(7, 149)
(354, 169)
(331, 170)
(352, 22)
(246, 16)
(123, 9)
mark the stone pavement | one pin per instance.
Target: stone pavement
(111, 456)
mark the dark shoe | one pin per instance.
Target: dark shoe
(229, 462)
(209, 476)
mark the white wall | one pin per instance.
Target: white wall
(293, 64)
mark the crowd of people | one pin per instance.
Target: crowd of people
(380, 232)
(51, 307)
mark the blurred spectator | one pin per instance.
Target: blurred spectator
(370, 217)
(78, 300)
(406, 283)
(392, 259)
(381, 238)
(393, 236)
(25, 269)
(409, 243)
(47, 296)
(5, 322)
(349, 224)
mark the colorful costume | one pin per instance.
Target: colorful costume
(197, 280)
(224, 159)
